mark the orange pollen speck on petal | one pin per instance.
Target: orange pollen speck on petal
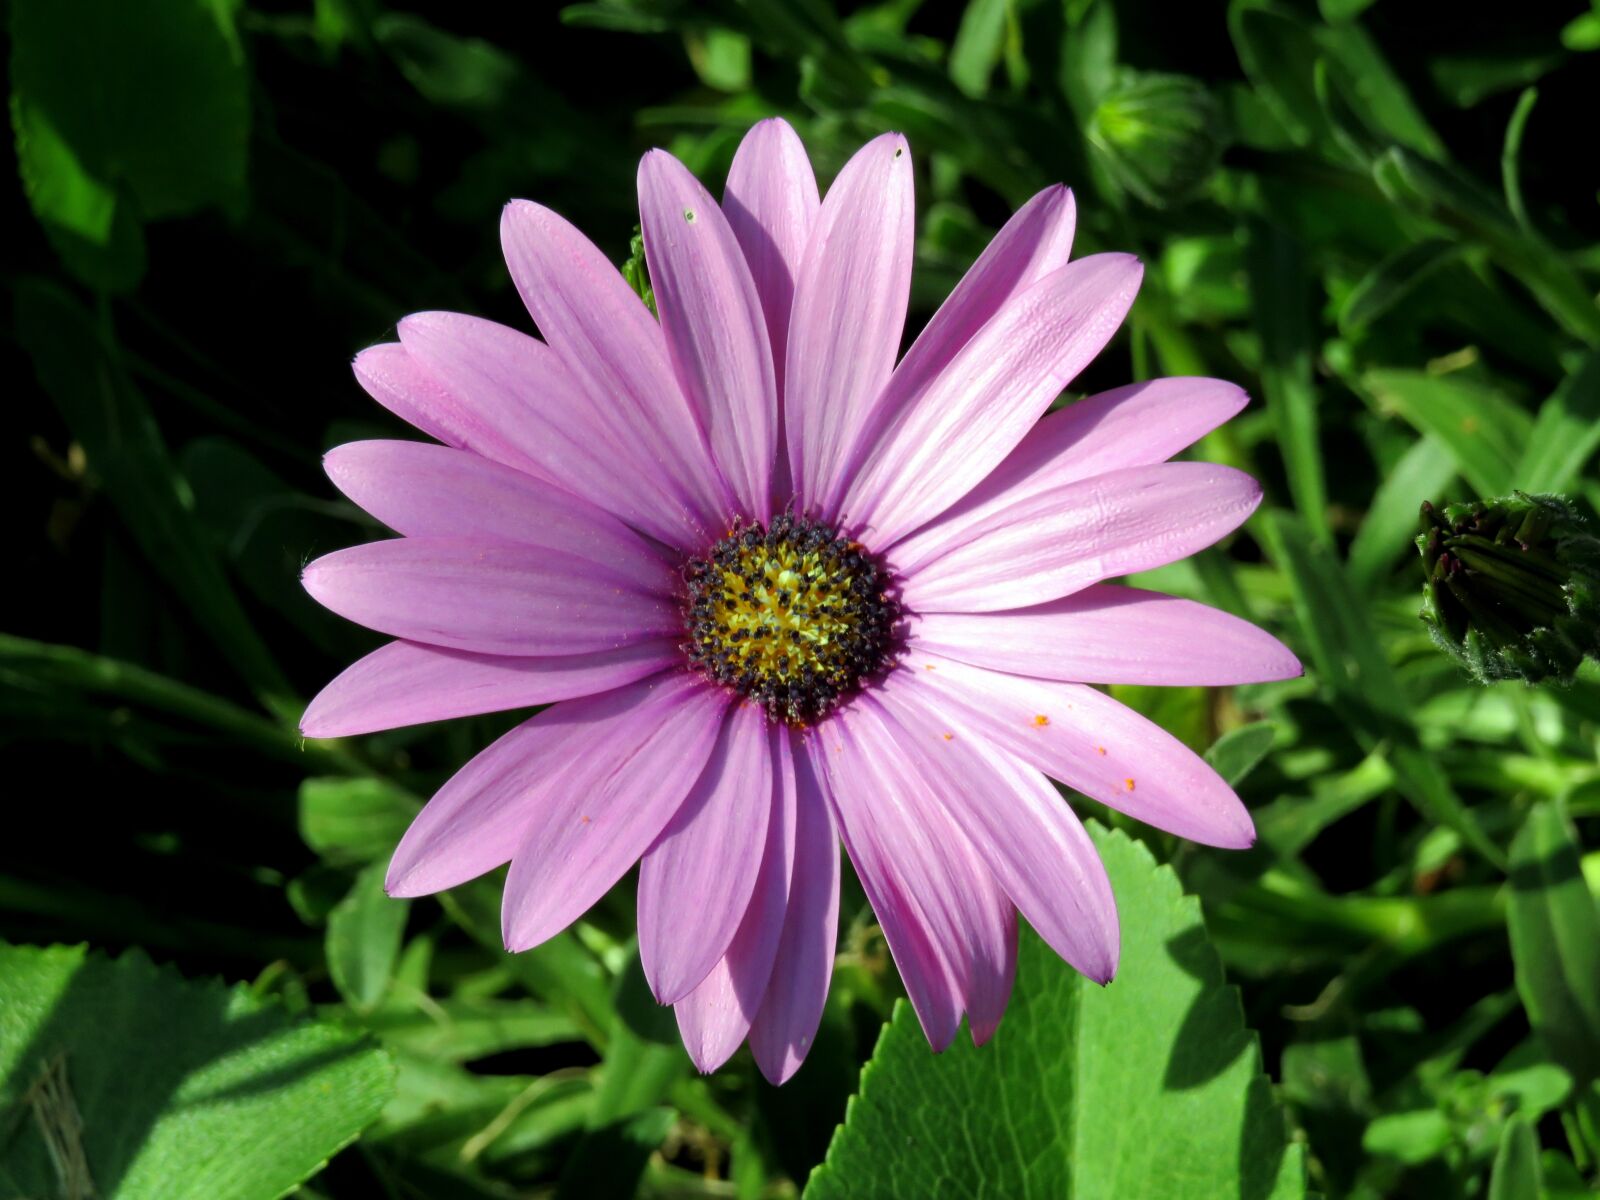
(949, 737)
(1129, 782)
(585, 820)
(1041, 720)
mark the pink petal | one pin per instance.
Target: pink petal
(405, 683)
(1059, 540)
(771, 204)
(715, 1017)
(609, 342)
(1134, 426)
(1034, 243)
(396, 380)
(599, 808)
(1112, 634)
(422, 490)
(716, 332)
(695, 882)
(849, 311)
(791, 1008)
(973, 414)
(1091, 743)
(1026, 833)
(491, 597)
(941, 913)
(590, 449)
(476, 821)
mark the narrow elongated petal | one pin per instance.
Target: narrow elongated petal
(791, 1009)
(1024, 830)
(695, 882)
(1134, 426)
(1061, 539)
(396, 380)
(1034, 243)
(973, 414)
(771, 203)
(563, 435)
(1111, 634)
(1091, 743)
(941, 913)
(599, 812)
(422, 490)
(716, 331)
(476, 821)
(849, 312)
(491, 597)
(406, 683)
(715, 1017)
(609, 342)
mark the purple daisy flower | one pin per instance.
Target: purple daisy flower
(779, 590)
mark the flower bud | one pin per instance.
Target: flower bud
(1512, 588)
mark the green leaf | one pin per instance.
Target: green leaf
(1516, 1164)
(1424, 472)
(720, 57)
(978, 45)
(1278, 54)
(364, 933)
(1392, 280)
(1280, 293)
(1150, 1087)
(1566, 432)
(83, 375)
(1410, 1137)
(610, 1160)
(125, 112)
(354, 821)
(1555, 941)
(1484, 432)
(1236, 753)
(155, 1087)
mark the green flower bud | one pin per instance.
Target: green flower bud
(1158, 136)
(1513, 587)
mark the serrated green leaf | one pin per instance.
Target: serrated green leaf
(1150, 1087)
(1555, 941)
(157, 1087)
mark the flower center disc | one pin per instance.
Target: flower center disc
(793, 616)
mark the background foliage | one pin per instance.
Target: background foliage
(1379, 217)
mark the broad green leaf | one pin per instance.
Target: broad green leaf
(1484, 432)
(122, 113)
(152, 1086)
(1149, 1087)
(1516, 1164)
(720, 57)
(354, 821)
(1236, 753)
(460, 1030)
(1555, 941)
(1424, 472)
(1280, 293)
(84, 377)
(1372, 88)
(363, 944)
(1566, 432)
(1411, 1137)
